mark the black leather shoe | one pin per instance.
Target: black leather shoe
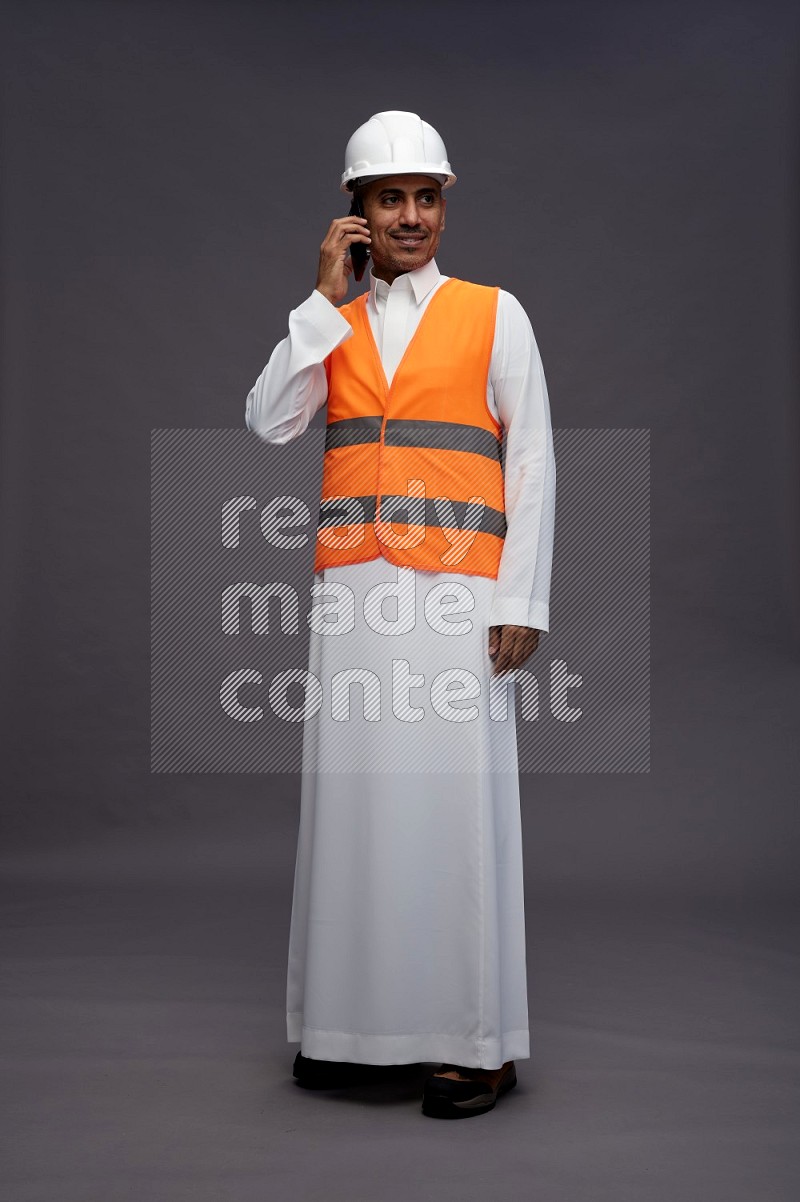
(338, 1074)
(446, 1098)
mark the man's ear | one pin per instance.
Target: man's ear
(444, 209)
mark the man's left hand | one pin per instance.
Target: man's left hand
(510, 646)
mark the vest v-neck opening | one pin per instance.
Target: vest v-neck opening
(387, 387)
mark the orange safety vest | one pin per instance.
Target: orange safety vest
(413, 472)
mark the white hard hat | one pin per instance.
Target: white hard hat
(395, 143)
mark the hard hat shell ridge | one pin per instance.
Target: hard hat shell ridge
(395, 143)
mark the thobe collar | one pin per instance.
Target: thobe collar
(419, 283)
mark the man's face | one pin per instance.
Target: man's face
(405, 215)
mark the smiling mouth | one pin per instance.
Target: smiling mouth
(409, 239)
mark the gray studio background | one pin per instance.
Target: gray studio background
(629, 172)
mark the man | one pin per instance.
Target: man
(407, 940)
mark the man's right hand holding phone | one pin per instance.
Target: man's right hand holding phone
(334, 264)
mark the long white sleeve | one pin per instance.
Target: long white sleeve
(293, 385)
(522, 592)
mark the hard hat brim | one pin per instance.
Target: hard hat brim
(379, 170)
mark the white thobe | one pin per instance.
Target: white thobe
(407, 937)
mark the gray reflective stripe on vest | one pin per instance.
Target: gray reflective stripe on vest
(468, 517)
(351, 431)
(344, 511)
(445, 436)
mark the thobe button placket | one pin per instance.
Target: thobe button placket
(394, 328)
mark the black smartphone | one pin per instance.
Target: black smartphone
(359, 251)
